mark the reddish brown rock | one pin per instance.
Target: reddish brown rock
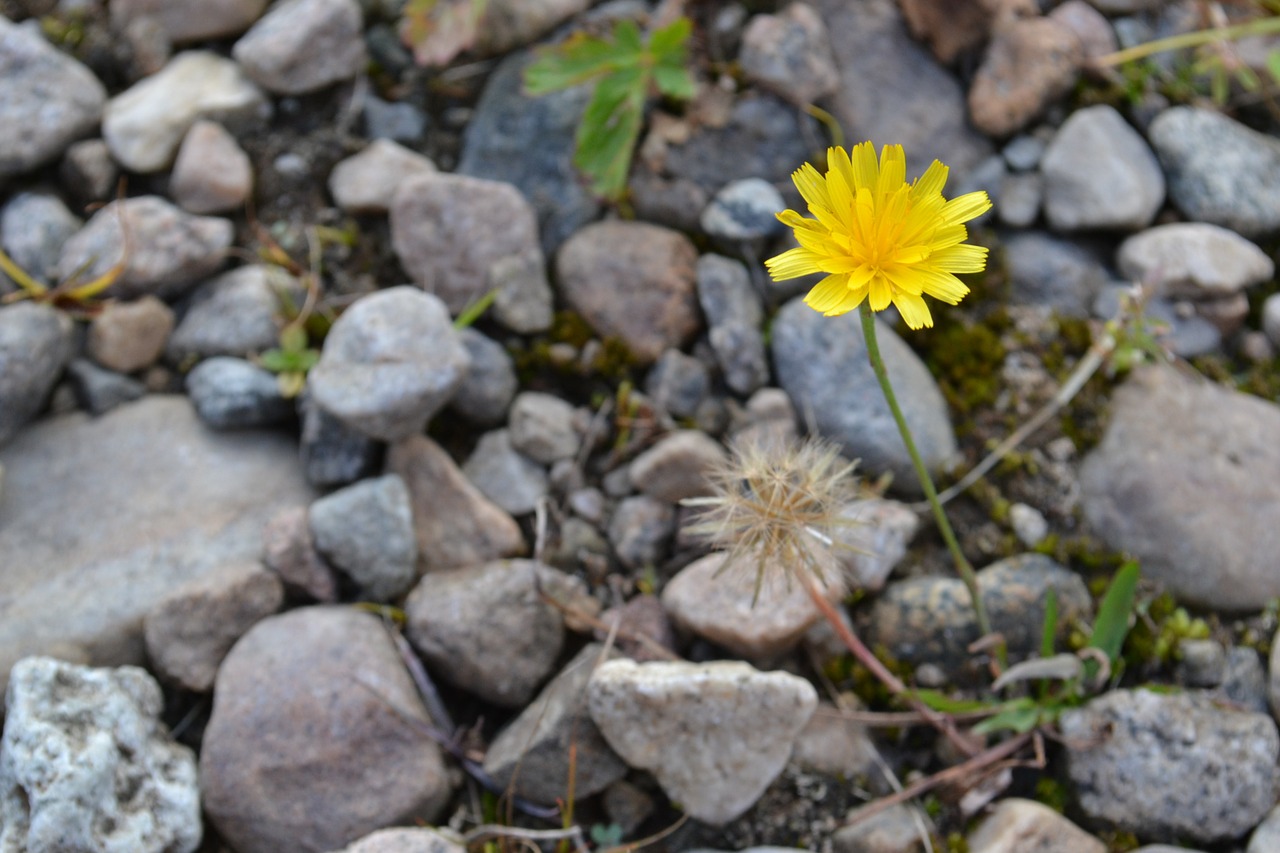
(1029, 65)
(951, 28)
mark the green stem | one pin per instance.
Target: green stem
(926, 482)
(1257, 27)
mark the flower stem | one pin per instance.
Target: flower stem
(926, 482)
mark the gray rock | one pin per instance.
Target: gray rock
(1017, 825)
(528, 141)
(1030, 63)
(524, 300)
(893, 90)
(1028, 523)
(514, 23)
(930, 619)
(734, 313)
(303, 45)
(366, 531)
(1096, 35)
(231, 393)
(872, 540)
(238, 313)
(454, 523)
(640, 530)
(1172, 440)
(505, 476)
(1267, 835)
(35, 345)
(1215, 768)
(389, 363)
(1193, 260)
(1023, 152)
(722, 603)
(99, 390)
(49, 101)
(183, 23)
(88, 170)
(677, 466)
(297, 755)
(449, 231)
(128, 336)
(211, 173)
(144, 125)
(468, 623)
(398, 120)
(1100, 174)
(159, 501)
(1020, 196)
(897, 829)
(417, 840)
(790, 55)
(678, 383)
(288, 550)
(33, 227)
(367, 182)
(1053, 273)
(1201, 663)
(1218, 170)
(69, 731)
(1244, 682)
(166, 251)
(535, 754)
(745, 209)
(833, 745)
(634, 281)
(332, 453)
(490, 385)
(542, 427)
(189, 633)
(714, 735)
(822, 365)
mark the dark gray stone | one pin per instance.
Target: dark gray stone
(678, 383)
(334, 454)
(490, 385)
(231, 393)
(234, 314)
(398, 120)
(528, 141)
(505, 476)
(641, 529)
(1052, 273)
(100, 390)
(35, 343)
(821, 363)
(366, 531)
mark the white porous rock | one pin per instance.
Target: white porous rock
(714, 735)
(85, 764)
(144, 125)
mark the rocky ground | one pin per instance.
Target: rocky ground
(184, 535)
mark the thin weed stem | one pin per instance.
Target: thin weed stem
(926, 482)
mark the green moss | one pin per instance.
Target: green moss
(1052, 793)
(966, 360)
(1161, 627)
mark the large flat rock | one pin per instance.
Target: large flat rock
(102, 518)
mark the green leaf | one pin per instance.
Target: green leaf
(475, 310)
(570, 63)
(1273, 65)
(609, 130)
(1021, 716)
(1050, 629)
(1112, 624)
(674, 82)
(669, 41)
(944, 703)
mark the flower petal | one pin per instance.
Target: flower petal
(931, 182)
(793, 263)
(866, 171)
(964, 258)
(812, 186)
(880, 292)
(893, 169)
(966, 207)
(914, 311)
(828, 293)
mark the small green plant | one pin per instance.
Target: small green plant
(626, 67)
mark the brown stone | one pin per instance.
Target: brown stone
(1029, 65)
(129, 336)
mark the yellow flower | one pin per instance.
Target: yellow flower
(878, 237)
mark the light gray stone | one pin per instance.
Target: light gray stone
(389, 363)
(468, 624)
(166, 251)
(49, 100)
(505, 476)
(871, 540)
(33, 227)
(790, 54)
(85, 764)
(542, 427)
(822, 365)
(1193, 260)
(159, 501)
(897, 829)
(678, 466)
(714, 735)
(417, 840)
(1016, 825)
(144, 125)
(181, 22)
(315, 736)
(745, 209)
(1100, 174)
(189, 633)
(366, 182)
(1215, 768)
(1265, 838)
(366, 531)
(1172, 440)
(303, 45)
